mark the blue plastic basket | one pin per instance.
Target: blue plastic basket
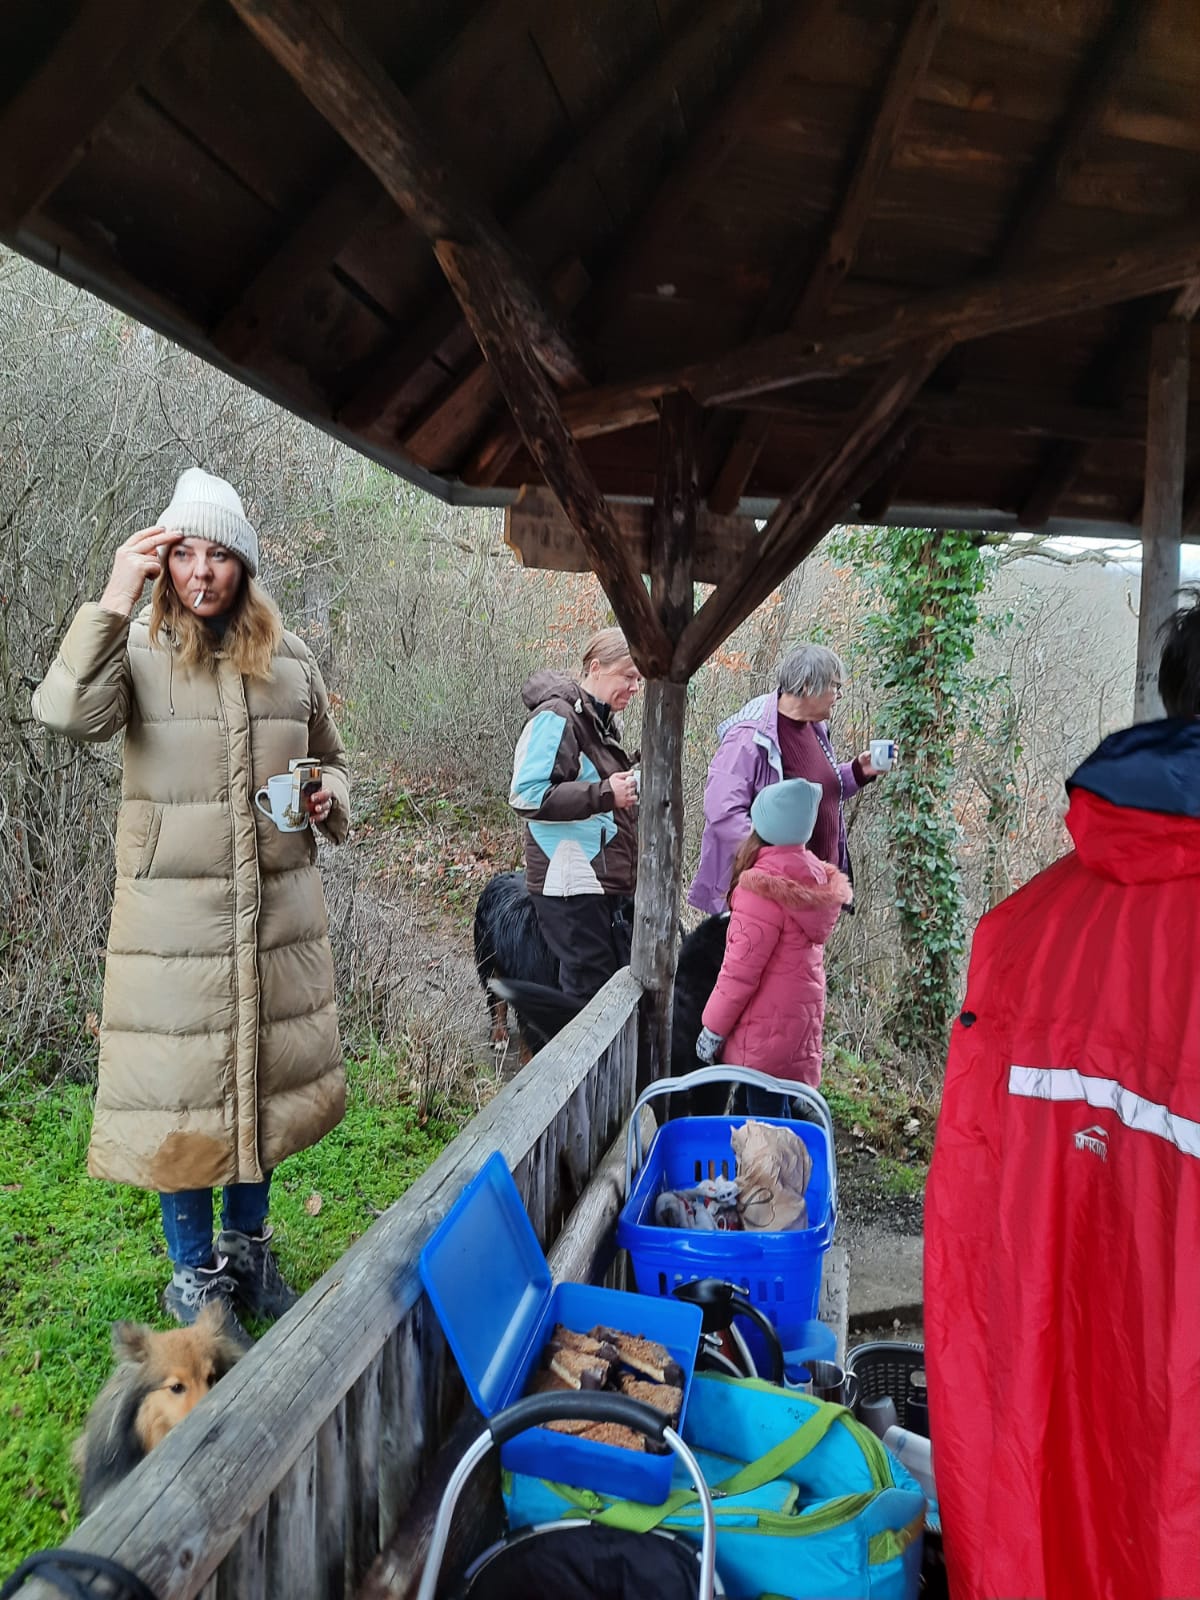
(780, 1273)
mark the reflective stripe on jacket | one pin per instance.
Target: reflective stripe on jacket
(1062, 1215)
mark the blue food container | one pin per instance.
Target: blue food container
(491, 1288)
(780, 1273)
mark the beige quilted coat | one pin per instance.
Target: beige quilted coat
(219, 1051)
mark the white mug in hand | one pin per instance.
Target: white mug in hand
(274, 800)
(883, 754)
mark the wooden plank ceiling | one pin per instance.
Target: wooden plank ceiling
(907, 254)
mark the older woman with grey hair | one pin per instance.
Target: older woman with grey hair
(783, 734)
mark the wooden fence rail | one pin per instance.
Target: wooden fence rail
(290, 1477)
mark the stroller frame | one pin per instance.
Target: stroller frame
(534, 1412)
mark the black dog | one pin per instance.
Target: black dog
(509, 944)
(513, 960)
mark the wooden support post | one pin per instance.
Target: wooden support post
(660, 843)
(1162, 516)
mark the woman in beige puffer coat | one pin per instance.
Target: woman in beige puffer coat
(219, 1051)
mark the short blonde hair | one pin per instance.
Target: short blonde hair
(605, 649)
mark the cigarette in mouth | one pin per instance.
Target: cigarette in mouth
(198, 601)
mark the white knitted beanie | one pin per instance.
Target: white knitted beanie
(211, 509)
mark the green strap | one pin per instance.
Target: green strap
(639, 1518)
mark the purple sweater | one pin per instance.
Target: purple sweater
(749, 758)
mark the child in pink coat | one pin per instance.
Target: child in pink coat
(768, 1008)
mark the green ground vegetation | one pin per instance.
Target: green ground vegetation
(876, 1109)
(80, 1255)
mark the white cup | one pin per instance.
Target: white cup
(883, 754)
(274, 800)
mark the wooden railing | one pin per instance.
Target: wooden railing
(286, 1482)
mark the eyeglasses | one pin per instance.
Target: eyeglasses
(839, 689)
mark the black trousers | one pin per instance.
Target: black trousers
(590, 934)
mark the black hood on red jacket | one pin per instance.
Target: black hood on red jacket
(1154, 766)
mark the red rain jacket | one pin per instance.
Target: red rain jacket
(1062, 1260)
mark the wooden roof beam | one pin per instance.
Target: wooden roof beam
(484, 292)
(358, 99)
(802, 302)
(1085, 104)
(528, 223)
(1105, 377)
(776, 55)
(47, 127)
(979, 408)
(803, 517)
(1064, 287)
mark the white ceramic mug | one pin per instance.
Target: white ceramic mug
(274, 800)
(883, 754)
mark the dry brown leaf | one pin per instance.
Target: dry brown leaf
(91, 1024)
(313, 1204)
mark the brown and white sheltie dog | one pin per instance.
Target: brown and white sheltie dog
(159, 1378)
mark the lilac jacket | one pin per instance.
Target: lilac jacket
(747, 760)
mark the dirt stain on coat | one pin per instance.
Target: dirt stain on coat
(189, 1161)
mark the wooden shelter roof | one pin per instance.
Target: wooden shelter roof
(905, 253)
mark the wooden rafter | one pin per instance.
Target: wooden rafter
(1035, 201)
(531, 224)
(1061, 288)
(982, 408)
(1105, 379)
(775, 55)
(314, 241)
(359, 100)
(99, 57)
(803, 516)
(801, 302)
(483, 293)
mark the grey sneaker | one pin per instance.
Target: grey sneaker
(260, 1287)
(193, 1288)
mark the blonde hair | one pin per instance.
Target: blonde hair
(747, 855)
(605, 649)
(250, 640)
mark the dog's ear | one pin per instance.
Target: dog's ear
(131, 1341)
(215, 1321)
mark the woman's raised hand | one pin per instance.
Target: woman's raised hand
(135, 561)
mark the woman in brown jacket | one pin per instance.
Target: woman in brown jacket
(219, 1051)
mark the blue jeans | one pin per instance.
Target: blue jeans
(751, 1101)
(188, 1219)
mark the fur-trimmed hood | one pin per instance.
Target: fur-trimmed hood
(792, 877)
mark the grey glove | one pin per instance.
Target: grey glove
(708, 1045)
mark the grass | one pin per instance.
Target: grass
(82, 1254)
(876, 1105)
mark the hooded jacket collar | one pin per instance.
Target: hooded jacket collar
(1135, 803)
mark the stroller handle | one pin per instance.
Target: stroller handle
(533, 1412)
(731, 1074)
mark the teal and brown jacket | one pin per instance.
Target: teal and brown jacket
(576, 840)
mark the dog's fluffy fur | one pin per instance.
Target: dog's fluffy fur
(159, 1378)
(509, 944)
(518, 976)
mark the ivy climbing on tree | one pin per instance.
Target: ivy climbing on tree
(921, 639)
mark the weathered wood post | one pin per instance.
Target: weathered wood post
(1162, 509)
(660, 845)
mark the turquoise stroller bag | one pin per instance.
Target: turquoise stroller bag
(809, 1505)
